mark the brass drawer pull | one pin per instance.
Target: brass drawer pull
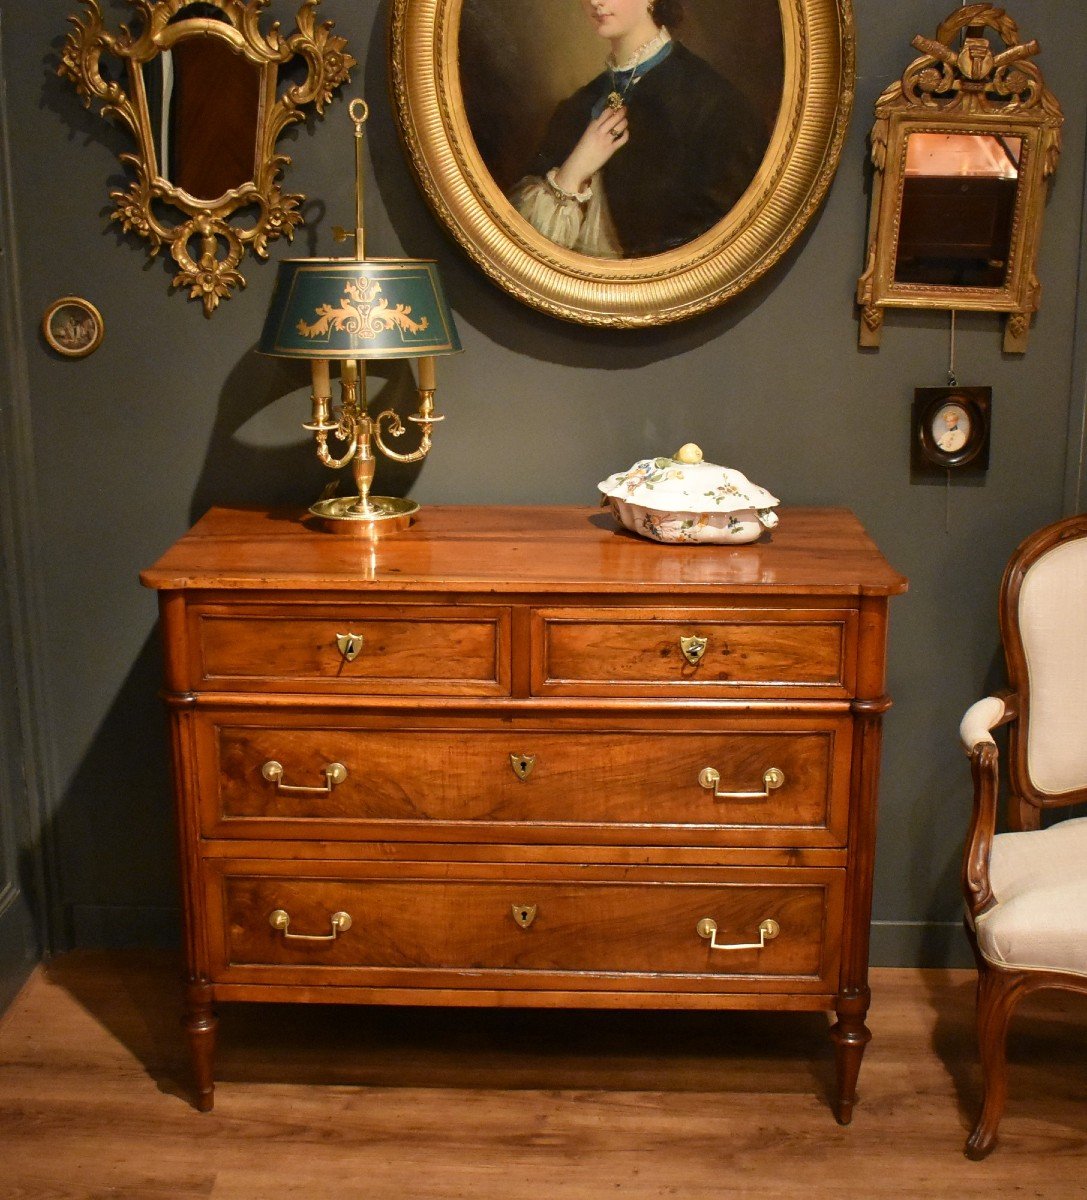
(281, 920)
(707, 928)
(693, 649)
(772, 778)
(334, 773)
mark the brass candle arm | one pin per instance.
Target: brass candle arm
(354, 426)
(426, 418)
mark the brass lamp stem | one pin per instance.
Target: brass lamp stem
(359, 112)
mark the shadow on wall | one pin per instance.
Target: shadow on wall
(113, 830)
(249, 462)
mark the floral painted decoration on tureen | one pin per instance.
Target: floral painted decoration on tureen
(686, 499)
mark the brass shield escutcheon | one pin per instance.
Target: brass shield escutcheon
(693, 648)
(522, 764)
(524, 914)
(350, 645)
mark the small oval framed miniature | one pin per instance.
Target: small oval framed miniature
(73, 327)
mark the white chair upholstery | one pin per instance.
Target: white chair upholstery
(1039, 882)
(1053, 624)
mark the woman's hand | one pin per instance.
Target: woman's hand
(602, 137)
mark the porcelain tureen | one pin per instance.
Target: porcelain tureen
(684, 499)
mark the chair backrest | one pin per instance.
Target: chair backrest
(1043, 621)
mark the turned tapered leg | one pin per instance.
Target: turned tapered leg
(850, 1035)
(200, 1024)
(998, 994)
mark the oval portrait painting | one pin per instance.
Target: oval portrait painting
(623, 162)
(621, 128)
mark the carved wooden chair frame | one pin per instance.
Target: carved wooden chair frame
(999, 988)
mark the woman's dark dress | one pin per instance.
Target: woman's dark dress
(695, 144)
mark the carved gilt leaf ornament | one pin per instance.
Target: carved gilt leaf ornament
(205, 240)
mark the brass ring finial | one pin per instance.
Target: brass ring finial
(359, 112)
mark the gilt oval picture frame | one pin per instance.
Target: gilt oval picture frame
(500, 105)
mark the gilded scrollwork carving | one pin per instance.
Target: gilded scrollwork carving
(205, 243)
(962, 87)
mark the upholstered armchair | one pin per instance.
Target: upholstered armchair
(1026, 890)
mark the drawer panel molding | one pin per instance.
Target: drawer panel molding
(766, 781)
(711, 652)
(769, 934)
(352, 650)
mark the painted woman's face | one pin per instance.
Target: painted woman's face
(616, 18)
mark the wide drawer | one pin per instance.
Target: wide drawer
(736, 781)
(710, 652)
(351, 649)
(432, 925)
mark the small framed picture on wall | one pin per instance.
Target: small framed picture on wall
(950, 430)
(73, 327)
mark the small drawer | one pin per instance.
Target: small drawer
(735, 781)
(508, 926)
(705, 652)
(351, 649)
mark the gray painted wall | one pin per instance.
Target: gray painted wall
(175, 413)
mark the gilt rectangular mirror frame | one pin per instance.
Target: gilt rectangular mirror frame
(963, 147)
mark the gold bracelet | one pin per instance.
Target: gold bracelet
(562, 194)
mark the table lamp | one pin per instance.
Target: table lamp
(354, 309)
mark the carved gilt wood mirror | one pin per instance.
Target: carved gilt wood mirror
(963, 147)
(206, 94)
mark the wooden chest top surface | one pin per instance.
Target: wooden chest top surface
(511, 550)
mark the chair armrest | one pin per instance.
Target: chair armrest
(975, 732)
(982, 717)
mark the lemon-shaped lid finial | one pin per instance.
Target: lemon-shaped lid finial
(690, 454)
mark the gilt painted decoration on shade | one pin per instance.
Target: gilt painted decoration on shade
(355, 309)
(197, 85)
(358, 308)
(623, 164)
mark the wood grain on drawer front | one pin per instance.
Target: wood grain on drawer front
(623, 785)
(406, 649)
(753, 652)
(430, 924)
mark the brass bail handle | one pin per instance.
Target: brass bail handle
(335, 773)
(707, 929)
(280, 920)
(710, 778)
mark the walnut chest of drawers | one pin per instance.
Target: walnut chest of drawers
(516, 756)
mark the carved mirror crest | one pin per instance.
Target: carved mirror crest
(963, 148)
(206, 102)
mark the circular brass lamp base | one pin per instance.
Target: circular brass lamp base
(382, 514)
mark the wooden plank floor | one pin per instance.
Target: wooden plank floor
(325, 1103)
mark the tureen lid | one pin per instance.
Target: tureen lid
(685, 483)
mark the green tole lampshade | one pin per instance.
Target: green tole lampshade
(370, 308)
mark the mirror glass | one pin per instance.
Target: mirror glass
(203, 101)
(958, 204)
